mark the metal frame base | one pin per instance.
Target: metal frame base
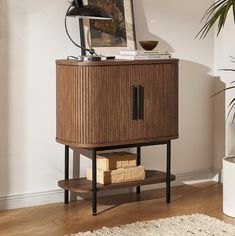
(94, 176)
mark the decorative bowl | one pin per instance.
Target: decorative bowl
(148, 45)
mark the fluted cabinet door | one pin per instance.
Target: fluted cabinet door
(94, 105)
(160, 101)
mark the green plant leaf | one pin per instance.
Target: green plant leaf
(233, 100)
(223, 17)
(227, 69)
(233, 11)
(210, 22)
(217, 12)
(230, 110)
(233, 118)
(211, 9)
(223, 90)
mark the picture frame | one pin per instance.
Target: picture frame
(109, 37)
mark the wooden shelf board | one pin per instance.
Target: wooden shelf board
(83, 185)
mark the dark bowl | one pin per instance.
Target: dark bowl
(148, 45)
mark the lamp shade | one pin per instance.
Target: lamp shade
(89, 12)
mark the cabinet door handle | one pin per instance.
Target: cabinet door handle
(134, 103)
(140, 102)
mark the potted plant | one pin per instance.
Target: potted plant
(217, 15)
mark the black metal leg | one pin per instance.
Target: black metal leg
(94, 193)
(66, 175)
(168, 173)
(138, 164)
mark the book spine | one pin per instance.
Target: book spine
(121, 57)
(129, 53)
(143, 53)
(112, 161)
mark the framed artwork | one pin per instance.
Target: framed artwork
(109, 37)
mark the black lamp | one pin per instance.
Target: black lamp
(81, 11)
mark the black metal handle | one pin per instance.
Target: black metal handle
(134, 103)
(140, 102)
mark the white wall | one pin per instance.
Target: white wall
(224, 48)
(32, 36)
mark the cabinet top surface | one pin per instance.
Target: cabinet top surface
(116, 62)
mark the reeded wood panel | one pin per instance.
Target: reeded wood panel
(160, 86)
(94, 108)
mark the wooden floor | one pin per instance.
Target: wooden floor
(58, 219)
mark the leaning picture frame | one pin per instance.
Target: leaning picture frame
(109, 37)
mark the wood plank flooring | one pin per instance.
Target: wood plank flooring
(58, 219)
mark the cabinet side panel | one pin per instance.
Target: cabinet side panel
(175, 99)
(67, 100)
(170, 115)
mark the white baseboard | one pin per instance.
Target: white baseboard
(56, 196)
(30, 199)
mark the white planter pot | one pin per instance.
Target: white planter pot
(229, 186)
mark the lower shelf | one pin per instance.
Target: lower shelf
(82, 185)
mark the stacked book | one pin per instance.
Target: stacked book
(117, 167)
(143, 55)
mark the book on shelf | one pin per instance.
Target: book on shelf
(115, 160)
(142, 53)
(120, 175)
(143, 57)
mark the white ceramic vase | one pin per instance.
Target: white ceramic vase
(229, 186)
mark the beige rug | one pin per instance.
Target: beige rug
(197, 225)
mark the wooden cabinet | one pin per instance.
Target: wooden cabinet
(114, 105)
(116, 102)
